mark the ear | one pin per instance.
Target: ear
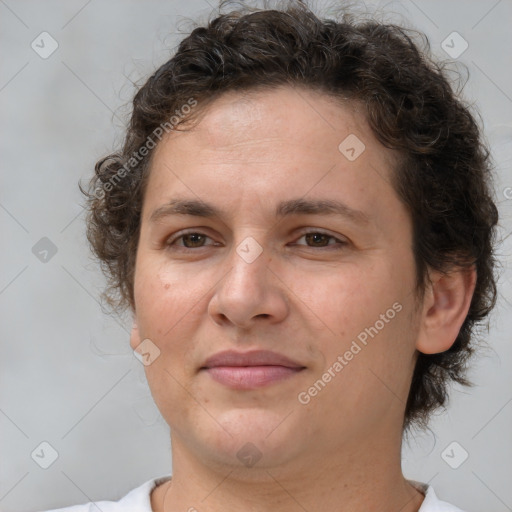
(445, 307)
(135, 340)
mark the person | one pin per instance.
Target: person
(301, 221)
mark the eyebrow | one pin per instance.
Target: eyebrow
(290, 207)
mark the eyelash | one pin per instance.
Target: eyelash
(170, 242)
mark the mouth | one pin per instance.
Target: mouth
(250, 370)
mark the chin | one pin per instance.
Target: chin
(253, 438)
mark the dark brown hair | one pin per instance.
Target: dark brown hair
(444, 177)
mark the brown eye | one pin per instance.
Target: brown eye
(318, 239)
(190, 240)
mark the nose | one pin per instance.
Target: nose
(250, 292)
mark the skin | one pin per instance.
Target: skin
(305, 297)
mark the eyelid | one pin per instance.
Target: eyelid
(340, 239)
(173, 238)
(306, 231)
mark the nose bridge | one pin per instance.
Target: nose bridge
(249, 250)
(248, 289)
(248, 264)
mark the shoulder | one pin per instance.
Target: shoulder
(432, 503)
(137, 500)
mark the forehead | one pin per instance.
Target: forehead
(292, 114)
(270, 145)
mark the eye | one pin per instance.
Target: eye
(191, 240)
(197, 240)
(319, 239)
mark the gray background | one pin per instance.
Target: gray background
(68, 376)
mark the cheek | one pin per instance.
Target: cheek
(354, 306)
(339, 299)
(166, 315)
(162, 298)
(368, 367)
(168, 309)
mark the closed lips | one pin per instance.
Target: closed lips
(253, 358)
(248, 371)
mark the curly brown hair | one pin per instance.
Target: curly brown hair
(444, 177)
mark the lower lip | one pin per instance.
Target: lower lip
(250, 377)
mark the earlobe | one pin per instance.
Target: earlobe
(445, 307)
(135, 336)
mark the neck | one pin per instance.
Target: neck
(358, 477)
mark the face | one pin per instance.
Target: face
(274, 269)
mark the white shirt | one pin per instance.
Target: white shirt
(139, 500)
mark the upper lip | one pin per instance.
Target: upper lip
(252, 358)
